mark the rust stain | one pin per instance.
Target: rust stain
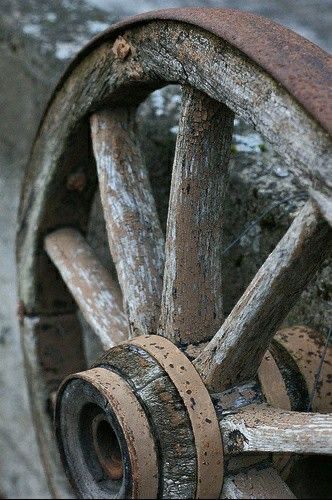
(302, 67)
(133, 422)
(208, 440)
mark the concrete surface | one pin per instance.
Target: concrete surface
(37, 38)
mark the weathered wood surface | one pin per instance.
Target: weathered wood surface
(272, 383)
(134, 233)
(256, 483)
(156, 52)
(52, 350)
(201, 412)
(162, 52)
(262, 428)
(307, 347)
(165, 408)
(192, 294)
(86, 399)
(237, 397)
(225, 75)
(236, 351)
(93, 288)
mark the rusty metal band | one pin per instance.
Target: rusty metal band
(300, 66)
(276, 394)
(135, 426)
(206, 431)
(273, 384)
(307, 346)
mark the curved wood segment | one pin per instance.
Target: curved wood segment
(93, 288)
(313, 356)
(262, 428)
(160, 51)
(208, 440)
(236, 351)
(297, 64)
(134, 233)
(192, 294)
(256, 483)
(49, 357)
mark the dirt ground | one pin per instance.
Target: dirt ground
(21, 475)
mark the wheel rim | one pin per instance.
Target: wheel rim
(60, 195)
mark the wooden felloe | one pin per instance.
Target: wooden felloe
(183, 403)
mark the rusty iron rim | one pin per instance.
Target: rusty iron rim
(117, 395)
(205, 426)
(303, 68)
(190, 400)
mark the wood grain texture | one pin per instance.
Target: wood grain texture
(160, 52)
(134, 233)
(199, 408)
(93, 288)
(307, 347)
(52, 350)
(262, 428)
(256, 483)
(192, 293)
(236, 351)
(167, 414)
(192, 57)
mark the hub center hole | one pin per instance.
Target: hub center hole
(107, 448)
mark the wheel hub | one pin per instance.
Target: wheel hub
(140, 424)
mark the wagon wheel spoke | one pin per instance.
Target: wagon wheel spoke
(134, 232)
(236, 351)
(192, 293)
(129, 393)
(256, 483)
(262, 428)
(93, 288)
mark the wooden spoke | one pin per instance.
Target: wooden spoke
(134, 233)
(236, 351)
(192, 294)
(94, 290)
(256, 483)
(262, 428)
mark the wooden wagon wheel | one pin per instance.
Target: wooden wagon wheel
(145, 420)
